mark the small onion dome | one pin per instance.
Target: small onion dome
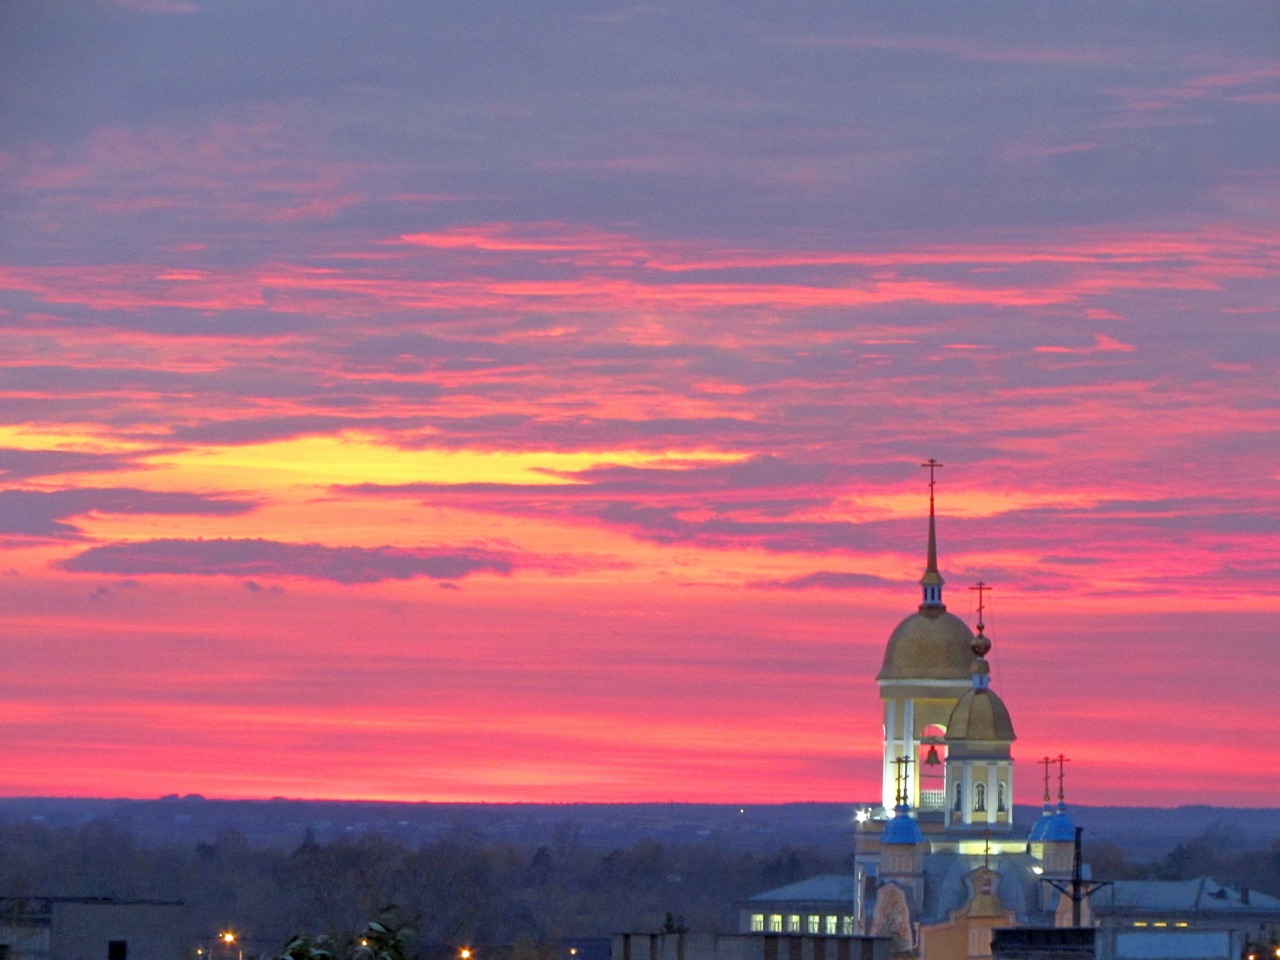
(902, 828)
(980, 715)
(929, 645)
(1060, 828)
(1040, 826)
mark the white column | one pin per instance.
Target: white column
(1008, 789)
(966, 801)
(909, 750)
(991, 793)
(890, 738)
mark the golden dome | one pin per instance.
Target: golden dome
(929, 645)
(980, 715)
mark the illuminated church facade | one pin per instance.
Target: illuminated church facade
(938, 864)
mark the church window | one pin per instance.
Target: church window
(959, 796)
(846, 926)
(1000, 805)
(775, 923)
(980, 797)
(757, 923)
(832, 925)
(815, 923)
(793, 923)
(979, 941)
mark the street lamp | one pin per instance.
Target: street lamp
(228, 938)
(465, 953)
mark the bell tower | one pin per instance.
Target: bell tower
(926, 670)
(979, 737)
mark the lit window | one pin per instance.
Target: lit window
(980, 799)
(1000, 807)
(846, 926)
(1160, 923)
(793, 923)
(775, 923)
(1139, 923)
(815, 923)
(757, 923)
(1183, 923)
(832, 925)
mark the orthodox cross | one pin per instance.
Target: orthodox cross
(900, 778)
(982, 588)
(1061, 761)
(933, 465)
(1046, 761)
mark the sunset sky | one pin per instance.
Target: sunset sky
(514, 401)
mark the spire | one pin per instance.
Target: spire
(981, 644)
(932, 580)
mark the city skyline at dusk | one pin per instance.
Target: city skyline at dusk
(483, 402)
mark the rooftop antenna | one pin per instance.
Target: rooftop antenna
(1078, 890)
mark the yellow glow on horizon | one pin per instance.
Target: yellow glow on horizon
(356, 458)
(72, 437)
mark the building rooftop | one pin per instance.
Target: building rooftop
(1202, 894)
(828, 887)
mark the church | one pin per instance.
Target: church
(939, 863)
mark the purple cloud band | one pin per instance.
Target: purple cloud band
(271, 558)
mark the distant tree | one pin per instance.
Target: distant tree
(389, 937)
(1108, 862)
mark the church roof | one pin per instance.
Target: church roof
(980, 715)
(929, 645)
(947, 887)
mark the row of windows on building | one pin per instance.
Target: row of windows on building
(816, 924)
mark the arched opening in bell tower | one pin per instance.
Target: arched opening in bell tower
(931, 762)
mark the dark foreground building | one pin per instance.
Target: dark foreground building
(71, 928)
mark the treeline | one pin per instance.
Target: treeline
(459, 889)
(1223, 852)
(463, 888)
